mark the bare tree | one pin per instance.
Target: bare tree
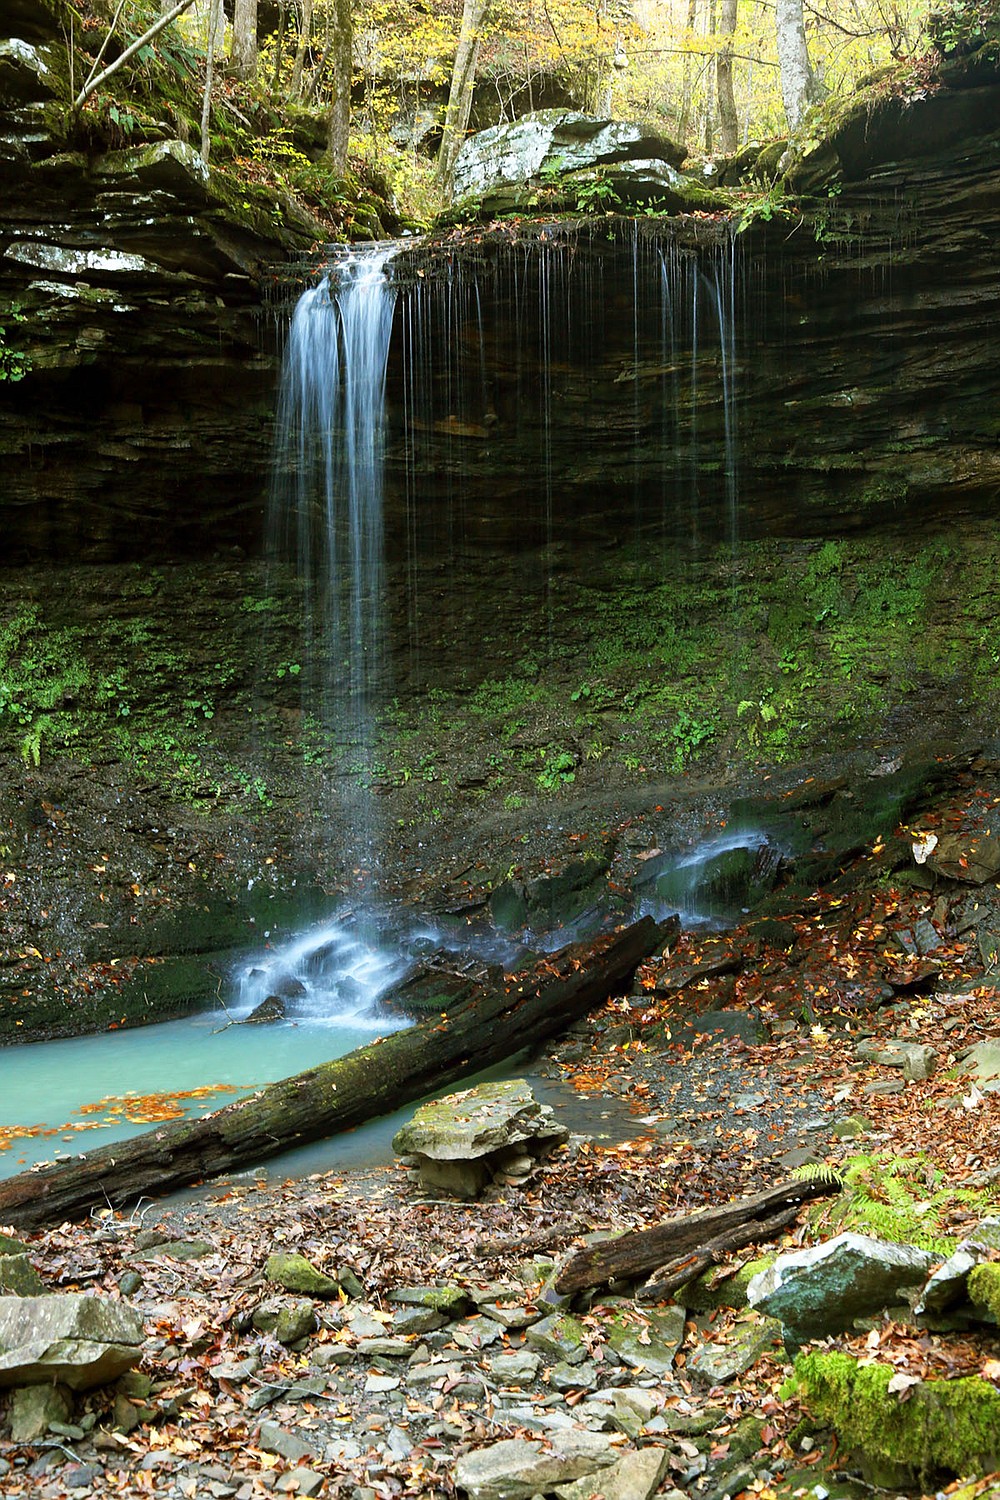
(302, 47)
(799, 87)
(341, 59)
(729, 125)
(215, 17)
(687, 77)
(243, 57)
(475, 14)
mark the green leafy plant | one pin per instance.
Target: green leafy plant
(14, 362)
(771, 204)
(598, 195)
(904, 1199)
(559, 770)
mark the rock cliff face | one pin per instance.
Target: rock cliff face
(833, 368)
(835, 365)
(144, 425)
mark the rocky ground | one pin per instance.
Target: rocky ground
(427, 1359)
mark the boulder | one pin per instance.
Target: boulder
(821, 1290)
(717, 1362)
(548, 144)
(973, 858)
(948, 1287)
(76, 1341)
(459, 1142)
(34, 1407)
(19, 1278)
(288, 1322)
(296, 1274)
(270, 1009)
(636, 1476)
(982, 1062)
(916, 1059)
(516, 1468)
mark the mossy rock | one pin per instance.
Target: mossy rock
(709, 1291)
(296, 1274)
(984, 1289)
(943, 1428)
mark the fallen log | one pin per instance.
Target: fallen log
(682, 1269)
(634, 1255)
(373, 1080)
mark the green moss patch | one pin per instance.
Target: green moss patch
(984, 1289)
(933, 1429)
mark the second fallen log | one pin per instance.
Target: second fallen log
(634, 1255)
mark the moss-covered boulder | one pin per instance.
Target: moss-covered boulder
(296, 1274)
(942, 1428)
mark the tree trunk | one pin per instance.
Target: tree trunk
(684, 124)
(729, 125)
(244, 50)
(463, 81)
(214, 13)
(305, 36)
(636, 1254)
(709, 101)
(798, 88)
(279, 45)
(341, 51)
(335, 1096)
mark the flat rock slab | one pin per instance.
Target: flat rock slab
(916, 1059)
(69, 1339)
(517, 1469)
(647, 1342)
(982, 1061)
(458, 1142)
(821, 1290)
(970, 857)
(717, 1363)
(636, 1476)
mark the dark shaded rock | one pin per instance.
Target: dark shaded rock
(718, 881)
(269, 1010)
(550, 901)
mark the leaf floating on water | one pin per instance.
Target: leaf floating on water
(115, 1109)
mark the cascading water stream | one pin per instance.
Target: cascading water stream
(327, 508)
(327, 516)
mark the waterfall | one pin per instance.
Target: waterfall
(328, 508)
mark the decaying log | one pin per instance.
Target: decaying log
(633, 1256)
(682, 1269)
(335, 1096)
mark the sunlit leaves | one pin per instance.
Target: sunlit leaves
(118, 1109)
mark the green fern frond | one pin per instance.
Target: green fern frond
(816, 1171)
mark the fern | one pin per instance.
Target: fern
(817, 1171)
(903, 1199)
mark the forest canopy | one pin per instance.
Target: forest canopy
(325, 95)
